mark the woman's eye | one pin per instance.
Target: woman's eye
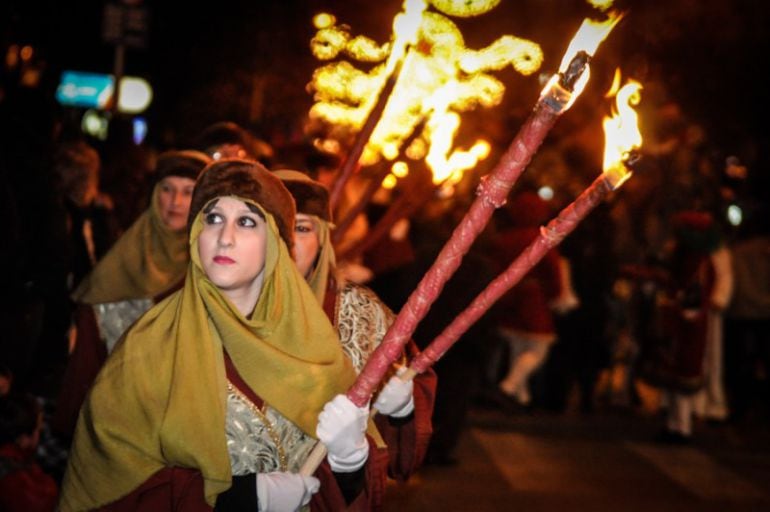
(212, 218)
(302, 229)
(247, 222)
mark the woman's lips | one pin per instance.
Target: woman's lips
(223, 260)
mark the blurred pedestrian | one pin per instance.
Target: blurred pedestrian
(361, 320)
(146, 263)
(698, 291)
(24, 487)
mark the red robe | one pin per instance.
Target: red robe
(407, 440)
(182, 488)
(24, 487)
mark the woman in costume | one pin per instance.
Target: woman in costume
(214, 396)
(148, 261)
(361, 320)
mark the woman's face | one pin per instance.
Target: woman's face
(174, 196)
(232, 245)
(306, 243)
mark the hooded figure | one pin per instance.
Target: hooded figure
(361, 320)
(212, 397)
(148, 261)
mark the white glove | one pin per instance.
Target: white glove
(284, 492)
(396, 398)
(342, 429)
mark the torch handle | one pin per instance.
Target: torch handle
(550, 236)
(492, 194)
(351, 161)
(313, 460)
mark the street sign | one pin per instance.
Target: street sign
(95, 90)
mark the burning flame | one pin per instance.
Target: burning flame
(587, 39)
(621, 132)
(440, 79)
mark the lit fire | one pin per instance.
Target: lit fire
(440, 79)
(621, 131)
(587, 39)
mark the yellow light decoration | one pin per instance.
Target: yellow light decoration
(602, 5)
(439, 79)
(324, 20)
(389, 182)
(464, 8)
(417, 149)
(399, 169)
(622, 133)
(525, 56)
(328, 42)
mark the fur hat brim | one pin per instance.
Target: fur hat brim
(249, 180)
(310, 196)
(185, 164)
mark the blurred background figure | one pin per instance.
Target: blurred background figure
(91, 226)
(24, 487)
(699, 289)
(145, 264)
(747, 322)
(226, 139)
(526, 312)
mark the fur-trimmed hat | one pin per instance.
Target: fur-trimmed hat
(226, 139)
(185, 164)
(249, 180)
(311, 197)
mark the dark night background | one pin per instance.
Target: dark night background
(249, 60)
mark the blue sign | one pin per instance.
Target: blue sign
(95, 90)
(81, 89)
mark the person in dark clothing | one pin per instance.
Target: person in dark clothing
(24, 487)
(91, 226)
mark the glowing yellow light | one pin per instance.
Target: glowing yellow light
(525, 56)
(621, 133)
(329, 42)
(602, 5)
(464, 8)
(481, 149)
(389, 182)
(417, 149)
(399, 169)
(324, 20)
